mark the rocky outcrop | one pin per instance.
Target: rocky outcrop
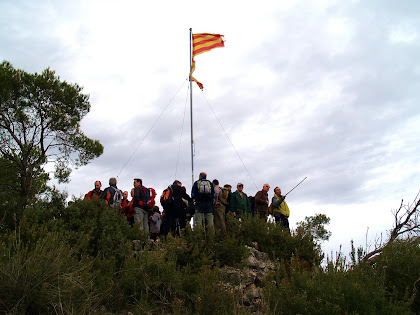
(251, 279)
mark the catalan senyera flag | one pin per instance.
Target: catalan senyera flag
(203, 42)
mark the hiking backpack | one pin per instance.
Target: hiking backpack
(150, 197)
(116, 198)
(204, 190)
(224, 199)
(167, 199)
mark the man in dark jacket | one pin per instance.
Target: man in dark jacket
(177, 209)
(203, 194)
(139, 205)
(261, 202)
(112, 195)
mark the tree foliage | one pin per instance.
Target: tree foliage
(315, 226)
(40, 123)
(9, 191)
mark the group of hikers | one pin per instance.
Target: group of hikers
(209, 204)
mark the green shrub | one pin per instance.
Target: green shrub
(90, 227)
(79, 259)
(278, 242)
(229, 251)
(151, 281)
(212, 297)
(400, 264)
(43, 276)
(193, 249)
(155, 283)
(95, 233)
(334, 290)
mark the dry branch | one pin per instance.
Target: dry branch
(406, 223)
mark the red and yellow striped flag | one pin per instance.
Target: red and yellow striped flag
(203, 42)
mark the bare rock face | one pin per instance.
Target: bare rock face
(259, 260)
(252, 294)
(253, 262)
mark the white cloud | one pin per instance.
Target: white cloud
(405, 33)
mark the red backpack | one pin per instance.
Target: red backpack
(151, 193)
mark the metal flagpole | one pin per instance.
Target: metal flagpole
(191, 114)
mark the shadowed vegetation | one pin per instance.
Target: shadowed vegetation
(79, 259)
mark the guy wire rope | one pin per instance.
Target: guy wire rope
(151, 128)
(229, 139)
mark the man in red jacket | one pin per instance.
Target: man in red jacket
(96, 193)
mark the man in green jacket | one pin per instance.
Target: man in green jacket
(239, 204)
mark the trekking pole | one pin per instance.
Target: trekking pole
(295, 186)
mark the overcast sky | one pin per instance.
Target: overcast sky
(327, 90)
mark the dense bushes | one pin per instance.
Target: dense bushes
(384, 285)
(154, 283)
(278, 242)
(90, 228)
(332, 290)
(42, 275)
(400, 265)
(79, 259)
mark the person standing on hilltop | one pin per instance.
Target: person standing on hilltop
(202, 193)
(219, 209)
(177, 208)
(261, 202)
(95, 193)
(112, 195)
(127, 207)
(239, 204)
(155, 223)
(280, 208)
(139, 205)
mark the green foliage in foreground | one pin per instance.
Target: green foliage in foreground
(79, 260)
(335, 289)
